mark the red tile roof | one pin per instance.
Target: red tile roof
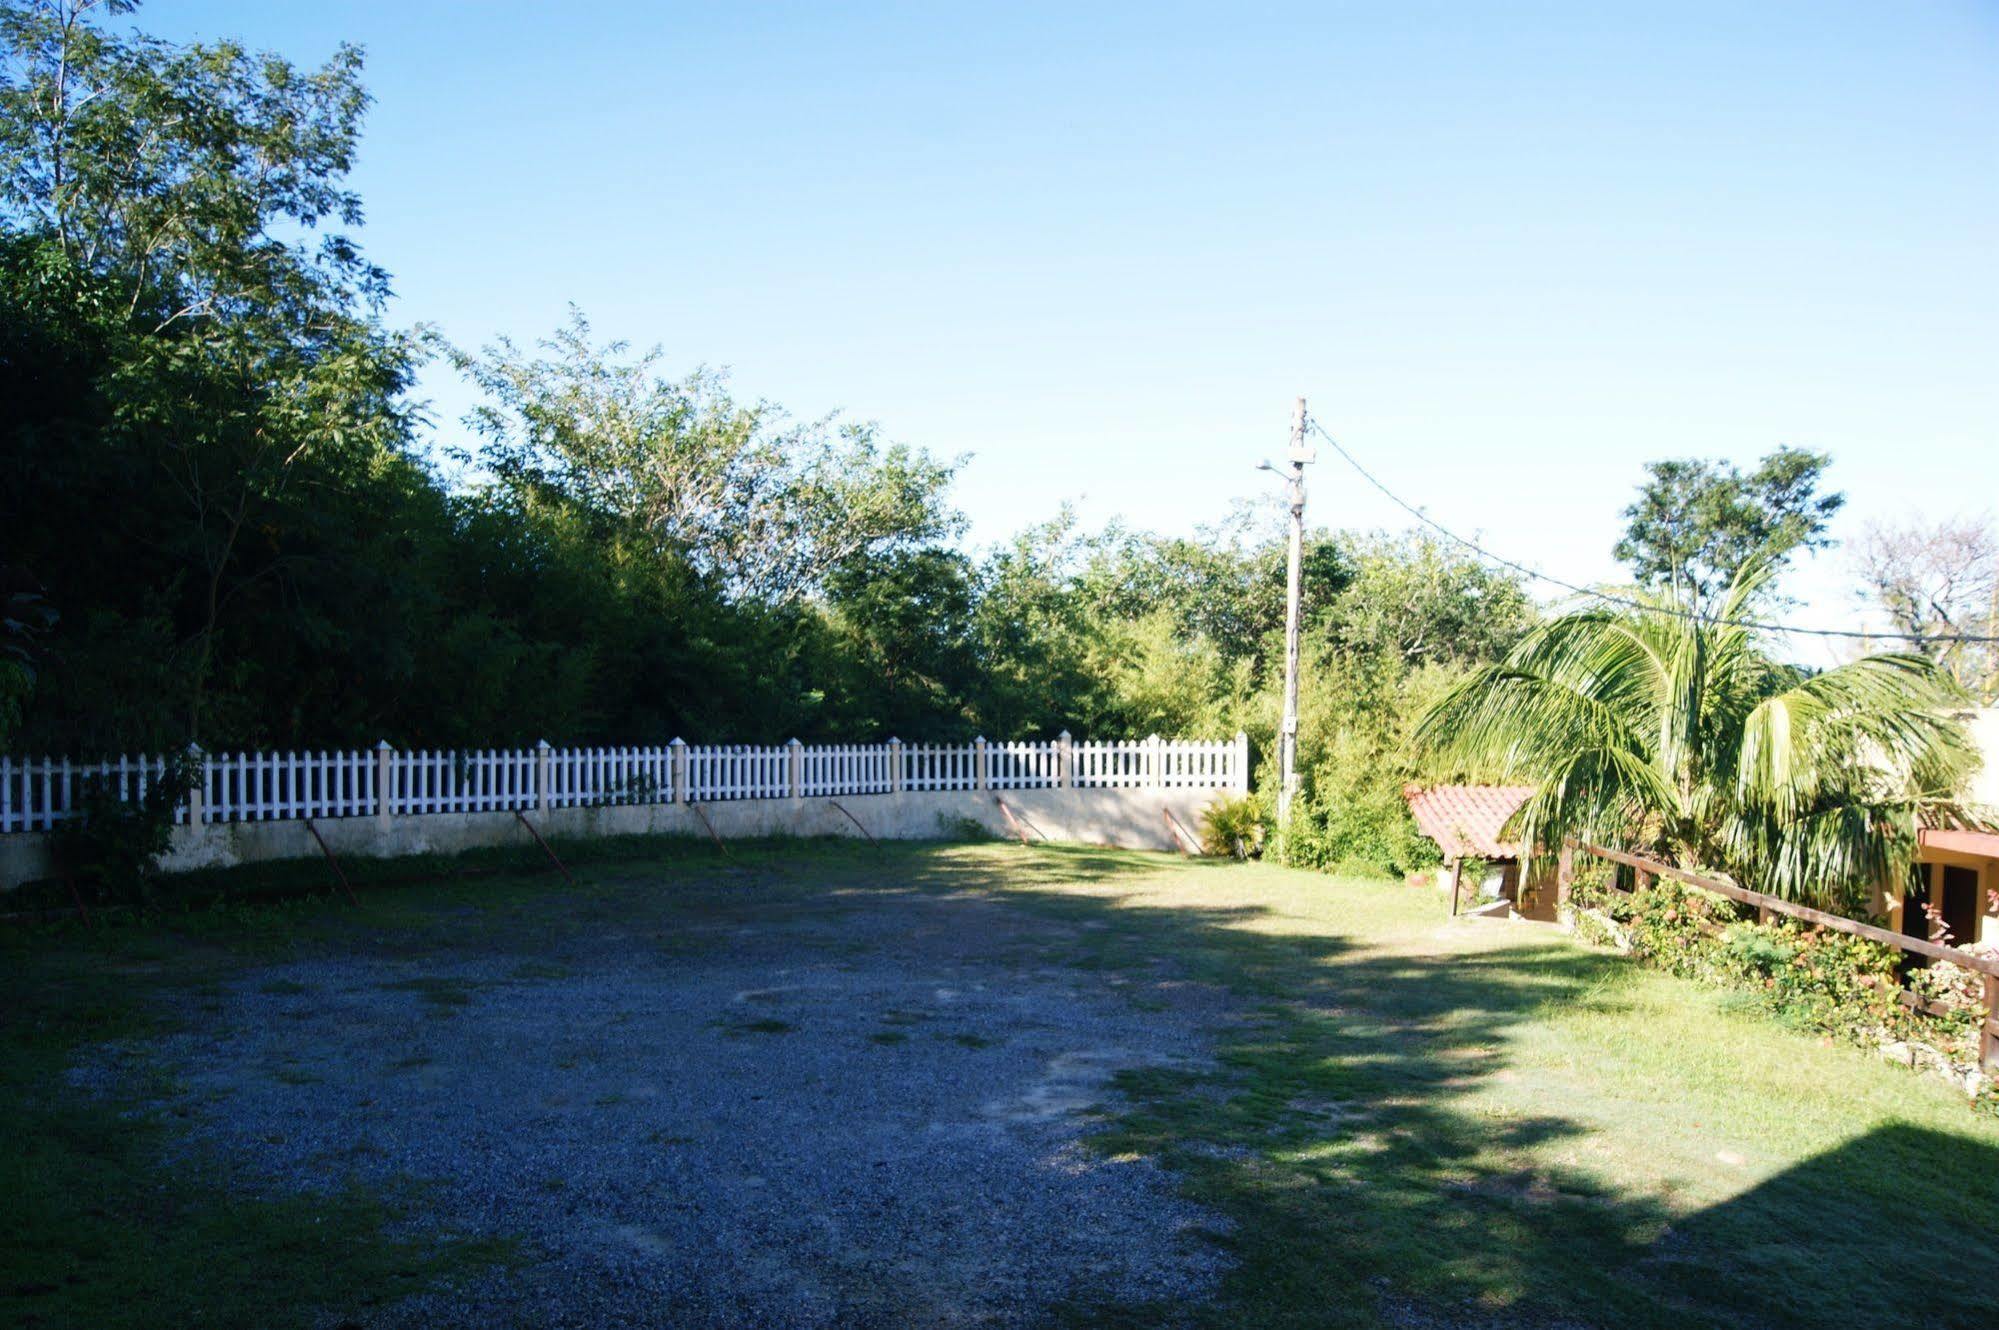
(1468, 819)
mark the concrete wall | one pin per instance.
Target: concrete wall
(1130, 818)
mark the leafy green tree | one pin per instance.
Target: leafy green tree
(1696, 523)
(1674, 735)
(186, 344)
(1356, 755)
(1421, 600)
(902, 624)
(765, 507)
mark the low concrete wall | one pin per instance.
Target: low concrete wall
(1130, 818)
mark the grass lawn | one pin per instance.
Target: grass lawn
(1406, 1120)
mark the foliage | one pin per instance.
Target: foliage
(25, 618)
(1938, 582)
(1234, 827)
(1675, 735)
(109, 848)
(1424, 602)
(1695, 523)
(1822, 979)
(765, 509)
(1356, 755)
(190, 341)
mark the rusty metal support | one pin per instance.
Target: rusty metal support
(1188, 845)
(695, 808)
(856, 821)
(338, 873)
(1011, 820)
(523, 819)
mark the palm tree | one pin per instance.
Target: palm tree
(1667, 731)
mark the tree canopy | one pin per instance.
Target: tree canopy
(1675, 734)
(1696, 523)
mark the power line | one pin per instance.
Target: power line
(1609, 597)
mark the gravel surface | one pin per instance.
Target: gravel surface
(862, 1116)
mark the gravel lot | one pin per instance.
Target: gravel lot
(863, 1112)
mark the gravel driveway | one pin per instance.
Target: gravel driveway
(865, 1112)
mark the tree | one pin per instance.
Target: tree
(1422, 600)
(1674, 735)
(766, 508)
(179, 345)
(1696, 523)
(1938, 581)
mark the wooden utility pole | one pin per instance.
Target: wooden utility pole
(1301, 452)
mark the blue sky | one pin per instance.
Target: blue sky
(1509, 252)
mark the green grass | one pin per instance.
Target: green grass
(96, 1232)
(1405, 1121)
(1486, 1122)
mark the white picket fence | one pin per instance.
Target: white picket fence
(37, 793)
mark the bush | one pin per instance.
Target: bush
(109, 847)
(1821, 979)
(1233, 826)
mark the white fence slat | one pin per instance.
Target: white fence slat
(36, 793)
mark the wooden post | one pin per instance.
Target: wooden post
(795, 767)
(541, 774)
(197, 795)
(894, 766)
(981, 770)
(1457, 875)
(1565, 879)
(1241, 773)
(385, 784)
(1988, 1041)
(1065, 760)
(678, 749)
(1155, 764)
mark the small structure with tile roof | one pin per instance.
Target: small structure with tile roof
(1469, 822)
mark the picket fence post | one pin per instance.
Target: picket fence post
(795, 767)
(1155, 767)
(197, 794)
(1065, 760)
(981, 770)
(385, 784)
(541, 773)
(894, 765)
(1241, 773)
(679, 750)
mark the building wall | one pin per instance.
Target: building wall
(1985, 730)
(1931, 862)
(1984, 726)
(1131, 818)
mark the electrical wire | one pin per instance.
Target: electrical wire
(1612, 598)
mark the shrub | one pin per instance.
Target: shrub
(109, 847)
(962, 829)
(1821, 979)
(1233, 826)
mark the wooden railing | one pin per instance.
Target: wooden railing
(1768, 905)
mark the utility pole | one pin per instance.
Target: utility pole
(1301, 452)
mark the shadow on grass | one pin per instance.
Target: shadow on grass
(1365, 1184)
